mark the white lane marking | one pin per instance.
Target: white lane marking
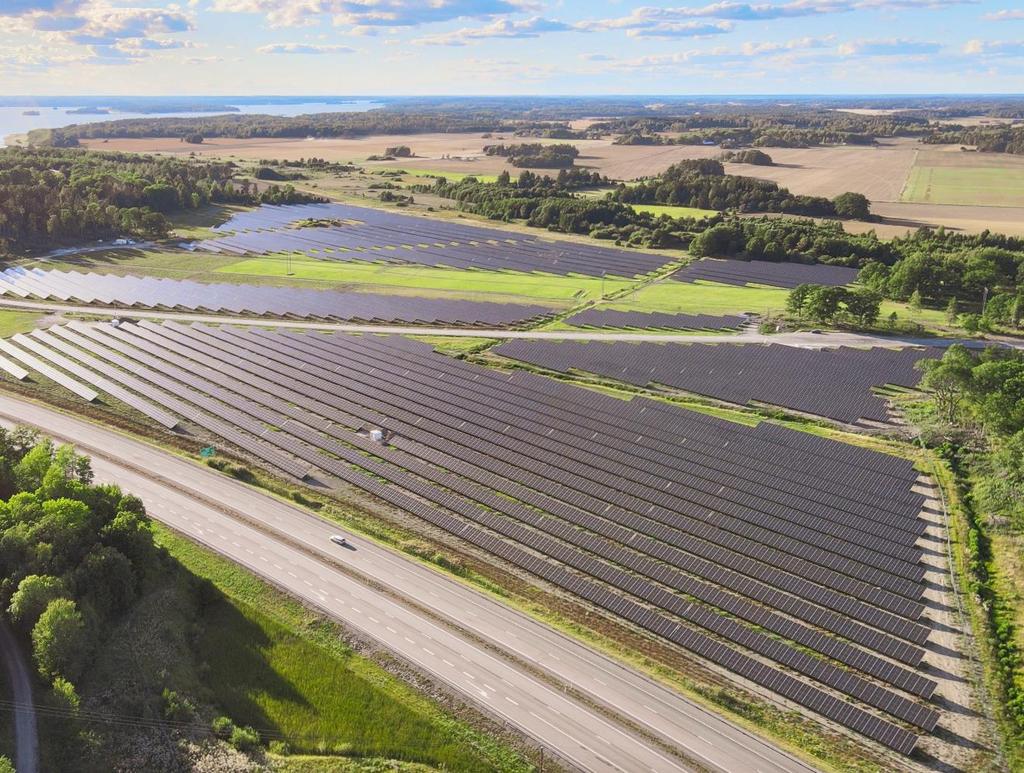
(514, 703)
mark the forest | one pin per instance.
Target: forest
(987, 139)
(535, 155)
(703, 183)
(50, 196)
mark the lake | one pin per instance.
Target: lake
(14, 121)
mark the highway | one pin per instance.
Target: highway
(444, 628)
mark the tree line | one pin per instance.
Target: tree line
(535, 155)
(703, 183)
(975, 421)
(73, 557)
(51, 196)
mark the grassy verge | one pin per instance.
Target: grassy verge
(12, 322)
(272, 663)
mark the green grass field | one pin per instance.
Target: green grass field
(977, 185)
(533, 286)
(703, 298)
(450, 176)
(665, 209)
(12, 322)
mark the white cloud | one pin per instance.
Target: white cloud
(648, 17)
(992, 48)
(25, 7)
(891, 47)
(304, 48)
(681, 29)
(105, 25)
(372, 13)
(1005, 15)
(502, 28)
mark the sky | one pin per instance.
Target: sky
(476, 47)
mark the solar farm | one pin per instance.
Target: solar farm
(141, 292)
(788, 561)
(348, 233)
(834, 383)
(741, 272)
(652, 320)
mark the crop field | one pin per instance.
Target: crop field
(878, 172)
(785, 558)
(986, 186)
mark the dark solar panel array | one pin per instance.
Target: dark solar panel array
(374, 235)
(258, 300)
(835, 383)
(762, 272)
(610, 318)
(786, 558)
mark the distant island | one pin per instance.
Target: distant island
(31, 112)
(88, 111)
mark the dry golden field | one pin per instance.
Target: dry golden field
(893, 174)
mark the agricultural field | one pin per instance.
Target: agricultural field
(878, 172)
(984, 186)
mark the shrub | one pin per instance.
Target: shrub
(177, 707)
(245, 739)
(222, 727)
(60, 642)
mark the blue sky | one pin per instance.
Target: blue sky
(510, 47)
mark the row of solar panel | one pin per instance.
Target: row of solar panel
(254, 345)
(740, 272)
(375, 235)
(150, 292)
(835, 383)
(653, 320)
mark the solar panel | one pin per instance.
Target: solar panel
(640, 508)
(51, 373)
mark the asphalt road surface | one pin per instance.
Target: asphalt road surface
(19, 679)
(449, 631)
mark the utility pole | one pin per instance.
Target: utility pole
(984, 301)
